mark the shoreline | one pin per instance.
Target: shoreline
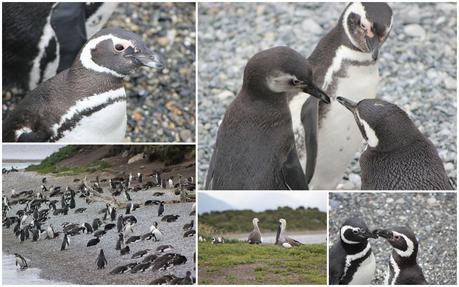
(76, 265)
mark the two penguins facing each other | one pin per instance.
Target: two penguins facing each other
(352, 262)
(257, 145)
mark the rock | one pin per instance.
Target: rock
(135, 158)
(432, 201)
(415, 30)
(449, 166)
(225, 95)
(389, 200)
(185, 135)
(355, 179)
(137, 116)
(450, 83)
(311, 26)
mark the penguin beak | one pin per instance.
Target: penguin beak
(384, 233)
(149, 59)
(314, 91)
(373, 46)
(348, 104)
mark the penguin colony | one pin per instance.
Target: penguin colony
(352, 262)
(288, 127)
(87, 102)
(35, 210)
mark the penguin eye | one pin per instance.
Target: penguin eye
(119, 47)
(295, 82)
(397, 237)
(355, 231)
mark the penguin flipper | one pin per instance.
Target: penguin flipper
(310, 120)
(293, 173)
(336, 264)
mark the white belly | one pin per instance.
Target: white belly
(295, 105)
(106, 125)
(365, 272)
(339, 137)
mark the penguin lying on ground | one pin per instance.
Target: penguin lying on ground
(255, 146)
(403, 268)
(351, 260)
(344, 64)
(398, 155)
(86, 102)
(21, 262)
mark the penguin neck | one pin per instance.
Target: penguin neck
(401, 137)
(355, 248)
(265, 105)
(410, 260)
(80, 76)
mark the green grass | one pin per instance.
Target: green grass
(63, 171)
(241, 263)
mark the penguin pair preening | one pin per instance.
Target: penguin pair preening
(274, 136)
(87, 102)
(352, 262)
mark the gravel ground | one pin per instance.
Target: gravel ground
(432, 217)
(161, 104)
(419, 58)
(78, 267)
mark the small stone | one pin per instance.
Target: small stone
(137, 116)
(450, 83)
(163, 41)
(355, 179)
(431, 201)
(225, 95)
(389, 200)
(449, 166)
(185, 135)
(311, 26)
(415, 30)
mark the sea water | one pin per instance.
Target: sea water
(11, 274)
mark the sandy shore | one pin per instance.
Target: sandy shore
(77, 264)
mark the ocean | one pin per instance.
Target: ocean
(11, 275)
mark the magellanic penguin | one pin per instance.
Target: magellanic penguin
(403, 268)
(65, 242)
(344, 64)
(101, 261)
(398, 156)
(255, 235)
(21, 262)
(87, 102)
(282, 239)
(351, 261)
(255, 147)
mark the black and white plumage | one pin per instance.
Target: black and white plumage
(255, 235)
(189, 233)
(119, 241)
(345, 64)
(351, 260)
(119, 270)
(125, 250)
(167, 261)
(101, 261)
(282, 239)
(21, 262)
(260, 115)
(86, 102)
(65, 242)
(403, 268)
(161, 208)
(164, 248)
(156, 232)
(133, 239)
(398, 155)
(92, 242)
(140, 254)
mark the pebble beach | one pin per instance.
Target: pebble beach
(417, 64)
(76, 264)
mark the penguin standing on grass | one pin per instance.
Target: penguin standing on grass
(403, 268)
(255, 146)
(398, 155)
(344, 64)
(86, 102)
(351, 261)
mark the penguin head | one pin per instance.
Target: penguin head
(117, 52)
(278, 72)
(367, 25)
(402, 240)
(355, 231)
(383, 125)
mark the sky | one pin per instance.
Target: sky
(262, 200)
(28, 151)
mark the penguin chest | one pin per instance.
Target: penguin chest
(365, 271)
(100, 118)
(339, 137)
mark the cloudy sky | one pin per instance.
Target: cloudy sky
(259, 201)
(28, 151)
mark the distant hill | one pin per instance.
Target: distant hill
(208, 203)
(241, 220)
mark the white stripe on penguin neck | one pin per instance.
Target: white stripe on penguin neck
(358, 9)
(409, 246)
(371, 134)
(86, 57)
(343, 230)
